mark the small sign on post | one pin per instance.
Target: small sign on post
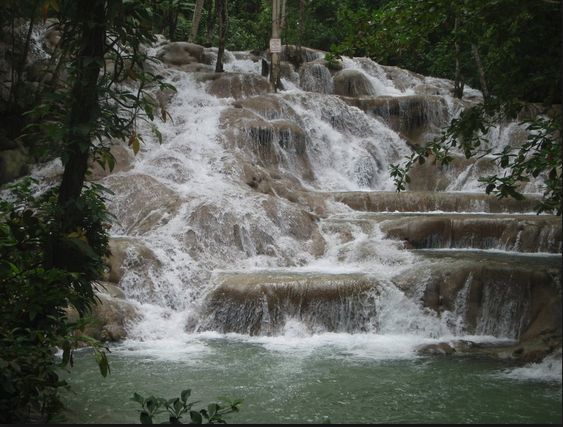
(275, 46)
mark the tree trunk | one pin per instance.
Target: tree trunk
(195, 20)
(222, 12)
(301, 29)
(283, 15)
(458, 83)
(84, 107)
(16, 79)
(210, 22)
(482, 80)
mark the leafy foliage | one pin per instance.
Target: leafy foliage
(517, 41)
(179, 407)
(34, 297)
(540, 156)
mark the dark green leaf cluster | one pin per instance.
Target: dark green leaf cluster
(124, 90)
(518, 42)
(34, 296)
(178, 408)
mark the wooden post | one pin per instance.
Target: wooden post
(275, 62)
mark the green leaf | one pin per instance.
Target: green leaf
(212, 409)
(185, 395)
(145, 418)
(196, 417)
(138, 398)
(134, 143)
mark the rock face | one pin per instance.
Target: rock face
(298, 56)
(124, 159)
(14, 163)
(420, 201)
(353, 83)
(523, 233)
(236, 85)
(130, 254)
(325, 303)
(111, 316)
(417, 117)
(274, 144)
(316, 77)
(181, 53)
(143, 204)
(506, 297)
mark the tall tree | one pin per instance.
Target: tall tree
(196, 19)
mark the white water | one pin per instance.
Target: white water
(348, 151)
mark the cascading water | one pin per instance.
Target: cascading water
(233, 246)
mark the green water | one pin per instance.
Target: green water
(308, 387)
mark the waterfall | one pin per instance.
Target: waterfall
(252, 218)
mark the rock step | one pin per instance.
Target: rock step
(427, 201)
(260, 303)
(509, 232)
(506, 295)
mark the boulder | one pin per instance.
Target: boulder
(272, 144)
(353, 83)
(51, 38)
(439, 349)
(315, 77)
(14, 163)
(299, 55)
(124, 159)
(130, 254)
(180, 53)
(145, 203)
(418, 118)
(109, 318)
(236, 85)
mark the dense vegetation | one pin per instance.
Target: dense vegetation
(53, 243)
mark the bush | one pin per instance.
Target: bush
(34, 296)
(178, 407)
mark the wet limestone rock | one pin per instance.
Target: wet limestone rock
(235, 85)
(271, 144)
(517, 298)
(110, 317)
(353, 83)
(260, 303)
(523, 233)
(130, 254)
(224, 234)
(416, 117)
(14, 163)
(316, 77)
(124, 159)
(438, 349)
(51, 38)
(299, 55)
(416, 201)
(180, 53)
(402, 79)
(144, 202)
